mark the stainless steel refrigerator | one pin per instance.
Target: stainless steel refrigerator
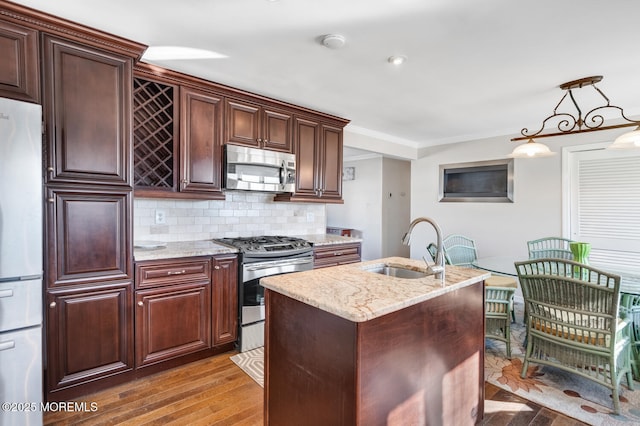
(21, 236)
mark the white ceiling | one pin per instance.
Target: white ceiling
(475, 69)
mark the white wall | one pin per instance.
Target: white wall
(396, 206)
(362, 208)
(500, 229)
(376, 205)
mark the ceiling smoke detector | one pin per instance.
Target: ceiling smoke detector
(333, 41)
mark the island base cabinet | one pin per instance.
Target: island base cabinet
(423, 364)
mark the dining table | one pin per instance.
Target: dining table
(629, 294)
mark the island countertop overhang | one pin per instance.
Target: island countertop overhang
(353, 293)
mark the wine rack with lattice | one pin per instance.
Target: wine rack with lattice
(153, 135)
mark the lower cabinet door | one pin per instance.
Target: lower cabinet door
(172, 321)
(90, 334)
(225, 300)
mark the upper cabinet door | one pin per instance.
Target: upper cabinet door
(201, 149)
(19, 77)
(277, 132)
(331, 167)
(258, 126)
(88, 113)
(307, 157)
(243, 123)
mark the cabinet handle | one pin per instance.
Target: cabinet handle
(259, 139)
(51, 200)
(216, 267)
(337, 253)
(140, 303)
(185, 181)
(50, 169)
(10, 344)
(52, 304)
(176, 272)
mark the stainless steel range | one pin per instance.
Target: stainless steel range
(261, 257)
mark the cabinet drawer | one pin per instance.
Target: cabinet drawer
(338, 254)
(337, 250)
(159, 273)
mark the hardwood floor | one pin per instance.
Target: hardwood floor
(214, 391)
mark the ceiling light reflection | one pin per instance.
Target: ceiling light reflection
(179, 52)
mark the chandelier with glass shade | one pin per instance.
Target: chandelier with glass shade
(575, 122)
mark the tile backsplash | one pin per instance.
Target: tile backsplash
(240, 214)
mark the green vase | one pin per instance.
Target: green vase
(580, 254)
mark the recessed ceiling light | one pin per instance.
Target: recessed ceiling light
(397, 60)
(333, 41)
(179, 52)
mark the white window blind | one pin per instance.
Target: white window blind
(605, 206)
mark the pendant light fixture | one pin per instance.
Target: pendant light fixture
(531, 149)
(572, 123)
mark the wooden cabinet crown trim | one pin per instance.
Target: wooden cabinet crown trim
(143, 69)
(62, 27)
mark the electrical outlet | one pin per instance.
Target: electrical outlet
(310, 217)
(161, 217)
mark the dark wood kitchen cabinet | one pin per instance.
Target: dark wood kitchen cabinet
(19, 67)
(201, 145)
(173, 308)
(421, 364)
(225, 299)
(318, 162)
(336, 254)
(258, 125)
(83, 79)
(89, 333)
(172, 321)
(177, 132)
(88, 236)
(87, 106)
(185, 306)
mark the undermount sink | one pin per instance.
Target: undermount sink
(396, 271)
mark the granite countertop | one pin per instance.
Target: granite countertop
(210, 248)
(182, 249)
(351, 292)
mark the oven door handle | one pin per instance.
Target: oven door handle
(265, 269)
(261, 266)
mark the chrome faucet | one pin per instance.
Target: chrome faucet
(438, 268)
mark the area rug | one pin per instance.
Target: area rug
(569, 394)
(252, 363)
(549, 387)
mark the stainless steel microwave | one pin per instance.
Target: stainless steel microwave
(252, 169)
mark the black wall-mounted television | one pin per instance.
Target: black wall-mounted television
(481, 181)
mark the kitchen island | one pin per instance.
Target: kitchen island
(348, 346)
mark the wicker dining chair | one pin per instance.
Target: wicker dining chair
(573, 323)
(497, 313)
(460, 250)
(433, 251)
(552, 247)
